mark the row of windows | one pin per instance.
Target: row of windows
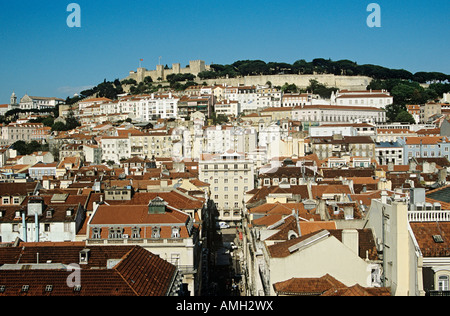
(117, 233)
(225, 166)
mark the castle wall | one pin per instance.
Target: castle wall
(302, 81)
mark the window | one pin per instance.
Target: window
(115, 233)
(443, 282)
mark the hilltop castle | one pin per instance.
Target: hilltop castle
(195, 67)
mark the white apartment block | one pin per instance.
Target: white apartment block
(247, 97)
(160, 106)
(144, 108)
(230, 175)
(372, 98)
(219, 139)
(115, 148)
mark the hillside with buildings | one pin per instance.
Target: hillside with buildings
(283, 180)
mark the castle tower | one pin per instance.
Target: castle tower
(176, 68)
(197, 66)
(160, 72)
(140, 74)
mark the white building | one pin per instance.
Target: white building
(144, 108)
(371, 98)
(57, 220)
(389, 152)
(39, 103)
(228, 108)
(219, 139)
(320, 114)
(159, 106)
(115, 148)
(247, 96)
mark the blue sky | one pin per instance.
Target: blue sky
(40, 55)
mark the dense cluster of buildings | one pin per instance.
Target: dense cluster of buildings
(325, 197)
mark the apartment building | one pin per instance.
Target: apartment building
(154, 144)
(429, 110)
(115, 148)
(230, 175)
(157, 226)
(295, 99)
(26, 132)
(389, 152)
(188, 105)
(424, 147)
(218, 139)
(228, 108)
(339, 146)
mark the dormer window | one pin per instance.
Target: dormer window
(96, 233)
(84, 256)
(136, 233)
(156, 232)
(175, 232)
(49, 213)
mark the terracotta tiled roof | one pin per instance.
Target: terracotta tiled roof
(424, 232)
(358, 290)
(307, 286)
(138, 272)
(175, 199)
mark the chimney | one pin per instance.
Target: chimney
(24, 225)
(350, 238)
(348, 212)
(36, 228)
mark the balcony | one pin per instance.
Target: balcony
(438, 293)
(429, 216)
(144, 242)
